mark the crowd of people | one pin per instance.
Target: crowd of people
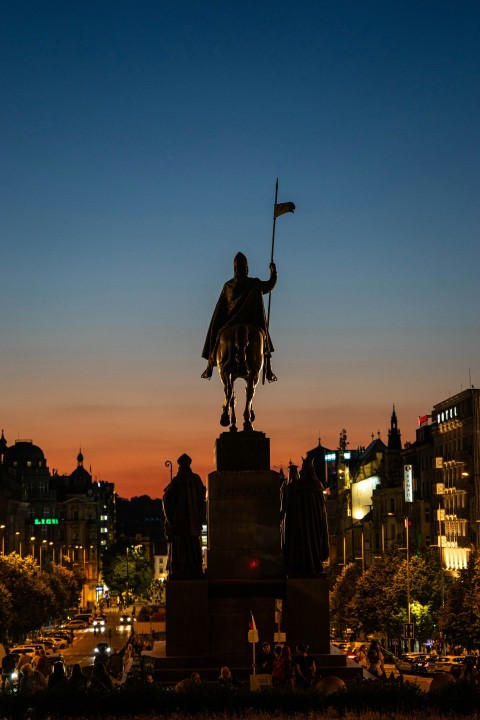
(37, 674)
(288, 671)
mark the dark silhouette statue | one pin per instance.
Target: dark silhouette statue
(238, 340)
(185, 513)
(304, 528)
(240, 303)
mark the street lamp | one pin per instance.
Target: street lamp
(126, 594)
(44, 542)
(32, 538)
(2, 528)
(19, 542)
(408, 575)
(52, 547)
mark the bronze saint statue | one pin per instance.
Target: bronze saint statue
(240, 303)
(185, 513)
(238, 340)
(304, 529)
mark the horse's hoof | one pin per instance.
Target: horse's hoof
(233, 428)
(247, 426)
(224, 421)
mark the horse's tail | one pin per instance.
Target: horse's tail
(241, 343)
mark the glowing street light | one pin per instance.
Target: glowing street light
(44, 542)
(19, 534)
(32, 539)
(2, 528)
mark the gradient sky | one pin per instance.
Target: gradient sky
(140, 142)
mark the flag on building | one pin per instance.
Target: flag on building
(282, 208)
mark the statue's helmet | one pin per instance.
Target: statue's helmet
(240, 262)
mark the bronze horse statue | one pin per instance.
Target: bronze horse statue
(239, 354)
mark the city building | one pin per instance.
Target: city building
(424, 494)
(66, 519)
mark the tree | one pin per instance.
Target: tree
(374, 607)
(424, 579)
(126, 566)
(460, 619)
(32, 597)
(341, 597)
(6, 607)
(65, 585)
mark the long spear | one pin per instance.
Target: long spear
(278, 209)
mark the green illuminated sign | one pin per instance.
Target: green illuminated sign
(45, 521)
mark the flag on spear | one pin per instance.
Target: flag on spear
(282, 208)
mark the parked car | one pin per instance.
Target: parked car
(48, 643)
(445, 663)
(28, 649)
(405, 662)
(86, 617)
(61, 641)
(458, 663)
(425, 665)
(64, 637)
(76, 624)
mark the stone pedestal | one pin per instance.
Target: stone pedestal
(307, 613)
(239, 451)
(208, 620)
(243, 514)
(187, 627)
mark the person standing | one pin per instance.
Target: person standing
(375, 659)
(283, 672)
(8, 666)
(265, 659)
(361, 657)
(305, 668)
(43, 664)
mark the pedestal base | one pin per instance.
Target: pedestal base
(307, 619)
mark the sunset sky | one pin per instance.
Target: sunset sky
(140, 143)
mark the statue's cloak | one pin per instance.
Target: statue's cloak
(185, 513)
(240, 303)
(304, 525)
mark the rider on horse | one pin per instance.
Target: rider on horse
(241, 303)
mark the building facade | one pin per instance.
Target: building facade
(65, 519)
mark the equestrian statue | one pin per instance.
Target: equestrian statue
(238, 339)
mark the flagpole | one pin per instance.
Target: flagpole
(271, 261)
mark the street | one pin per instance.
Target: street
(82, 649)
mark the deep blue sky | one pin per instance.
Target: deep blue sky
(140, 142)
